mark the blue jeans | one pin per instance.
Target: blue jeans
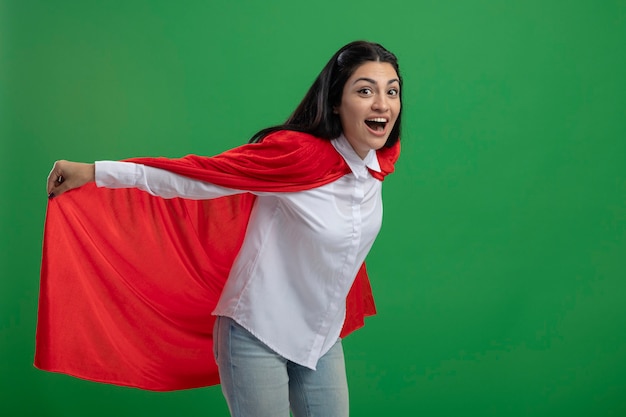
(258, 382)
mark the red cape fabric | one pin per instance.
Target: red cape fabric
(128, 280)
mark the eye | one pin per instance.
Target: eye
(366, 91)
(393, 92)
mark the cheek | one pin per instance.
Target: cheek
(395, 113)
(349, 118)
(354, 114)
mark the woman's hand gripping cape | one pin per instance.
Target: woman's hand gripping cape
(129, 280)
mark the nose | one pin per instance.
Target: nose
(380, 103)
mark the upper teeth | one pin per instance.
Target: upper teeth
(378, 119)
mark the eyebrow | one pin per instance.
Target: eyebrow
(369, 80)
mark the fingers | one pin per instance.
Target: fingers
(58, 182)
(60, 186)
(55, 178)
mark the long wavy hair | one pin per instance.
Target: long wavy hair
(314, 115)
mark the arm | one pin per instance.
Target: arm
(66, 175)
(155, 181)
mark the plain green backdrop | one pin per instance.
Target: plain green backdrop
(500, 270)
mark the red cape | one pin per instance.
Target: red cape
(128, 280)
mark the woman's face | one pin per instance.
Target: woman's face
(369, 106)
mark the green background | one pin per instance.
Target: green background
(500, 270)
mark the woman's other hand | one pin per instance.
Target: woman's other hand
(66, 175)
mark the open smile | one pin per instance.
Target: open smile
(377, 125)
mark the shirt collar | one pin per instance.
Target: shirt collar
(358, 166)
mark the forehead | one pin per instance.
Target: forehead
(374, 70)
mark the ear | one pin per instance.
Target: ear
(335, 110)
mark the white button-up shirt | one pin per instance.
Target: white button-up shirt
(300, 255)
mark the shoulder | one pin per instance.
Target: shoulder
(294, 139)
(387, 158)
(296, 146)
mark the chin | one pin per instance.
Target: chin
(379, 143)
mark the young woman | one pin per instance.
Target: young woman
(316, 209)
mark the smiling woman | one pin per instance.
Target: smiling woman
(236, 278)
(370, 106)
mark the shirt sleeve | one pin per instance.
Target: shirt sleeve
(156, 181)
